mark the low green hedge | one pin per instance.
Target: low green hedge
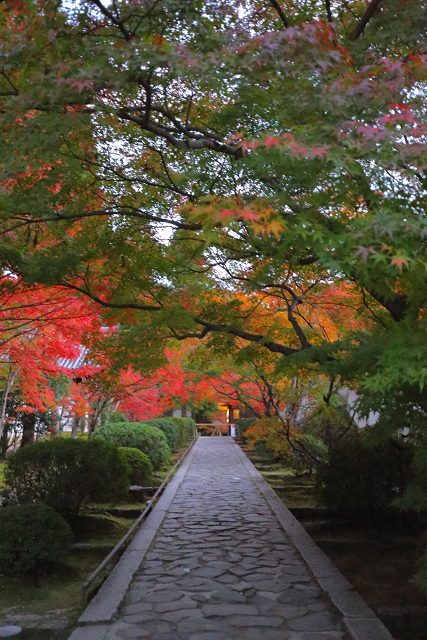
(30, 536)
(66, 474)
(187, 430)
(140, 468)
(139, 435)
(169, 428)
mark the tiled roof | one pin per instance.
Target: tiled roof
(75, 363)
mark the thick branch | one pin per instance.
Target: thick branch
(111, 305)
(283, 18)
(132, 213)
(250, 337)
(396, 305)
(370, 10)
(192, 143)
(117, 23)
(296, 300)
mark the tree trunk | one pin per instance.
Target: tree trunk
(60, 422)
(28, 428)
(3, 430)
(75, 427)
(4, 442)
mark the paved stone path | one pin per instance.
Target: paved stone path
(221, 567)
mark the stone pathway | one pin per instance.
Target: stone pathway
(221, 566)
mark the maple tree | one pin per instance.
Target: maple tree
(139, 394)
(167, 159)
(41, 332)
(57, 356)
(284, 395)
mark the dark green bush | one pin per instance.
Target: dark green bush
(362, 482)
(66, 474)
(141, 470)
(139, 435)
(169, 428)
(242, 425)
(187, 430)
(314, 447)
(30, 536)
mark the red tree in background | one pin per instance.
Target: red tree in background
(41, 328)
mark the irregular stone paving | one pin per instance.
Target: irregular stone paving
(221, 567)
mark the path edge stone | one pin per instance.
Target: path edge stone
(358, 619)
(104, 606)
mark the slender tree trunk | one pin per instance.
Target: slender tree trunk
(28, 428)
(100, 406)
(60, 423)
(8, 386)
(75, 427)
(4, 442)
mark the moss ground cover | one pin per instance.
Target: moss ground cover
(58, 591)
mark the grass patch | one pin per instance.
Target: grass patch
(298, 491)
(276, 472)
(58, 590)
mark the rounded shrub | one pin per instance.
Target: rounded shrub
(362, 482)
(30, 536)
(139, 435)
(141, 470)
(66, 474)
(170, 429)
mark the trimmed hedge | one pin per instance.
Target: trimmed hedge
(169, 428)
(139, 435)
(187, 430)
(66, 474)
(30, 536)
(141, 470)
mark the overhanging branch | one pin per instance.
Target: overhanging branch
(370, 10)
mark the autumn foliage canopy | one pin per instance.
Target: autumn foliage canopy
(244, 178)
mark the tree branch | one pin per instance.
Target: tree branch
(110, 305)
(117, 23)
(370, 10)
(275, 4)
(250, 337)
(296, 300)
(328, 10)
